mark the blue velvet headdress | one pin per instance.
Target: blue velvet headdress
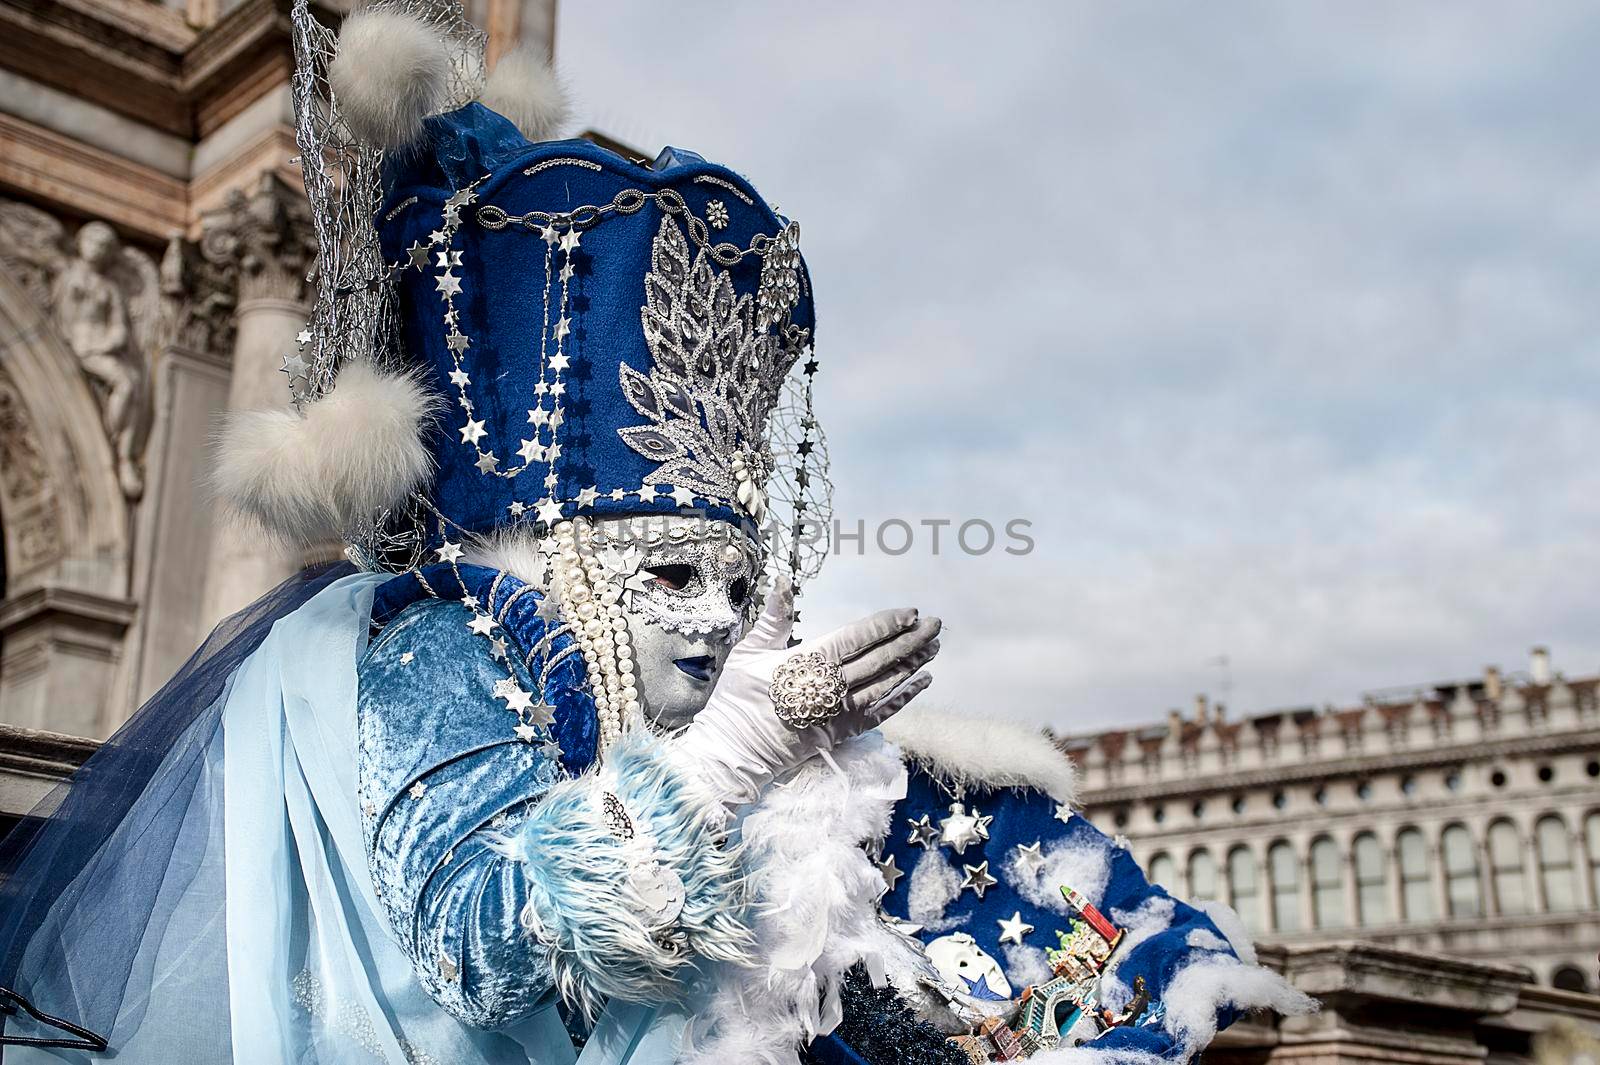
(611, 338)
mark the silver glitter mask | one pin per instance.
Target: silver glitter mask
(688, 576)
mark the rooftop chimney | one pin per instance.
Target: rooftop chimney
(1202, 709)
(1174, 722)
(1539, 667)
(1492, 689)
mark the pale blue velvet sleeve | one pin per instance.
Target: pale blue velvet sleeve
(499, 875)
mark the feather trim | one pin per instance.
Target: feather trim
(582, 906)
(355, 453)
(523, 88)
(391, 70)
(962, 749)
(816, 894)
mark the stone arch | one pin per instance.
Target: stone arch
(64, 518)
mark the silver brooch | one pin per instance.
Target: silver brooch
(807, 690)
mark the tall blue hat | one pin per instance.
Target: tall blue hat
(510, 330)
(611, 337)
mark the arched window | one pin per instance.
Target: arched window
(1591, 831)
(1164, 871)
(1556, 881)
(1461, 872)
(1327, 884)
(1372, 880)
(1202, 877)
(1244, 891)
(1284, 868)
(1505, 868)
(1570, 978)
(1416, 888)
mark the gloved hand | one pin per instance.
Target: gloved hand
(738, 744)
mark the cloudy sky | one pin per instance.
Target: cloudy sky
(1279, 322)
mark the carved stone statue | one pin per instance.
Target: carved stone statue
(106, 300)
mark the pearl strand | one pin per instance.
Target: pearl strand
(590, 600)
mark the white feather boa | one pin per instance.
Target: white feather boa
(815, 893)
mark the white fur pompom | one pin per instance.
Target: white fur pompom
(524, 89)
(391, 71)
(356, 452)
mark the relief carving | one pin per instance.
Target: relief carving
(33, 519)
(105, 298)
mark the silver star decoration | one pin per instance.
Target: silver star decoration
(563, 327)
(472, 432)
(569, 240)
(294, 366)
(961, 830)
(682, 496)
(1030, 858)
(526, 733)
(519, 701)
(517, 509)
(531, 451)
(448, 284)
(504, 687)
(1063, 812)
(538, 416)
(619, 494)
(647, 493)
(419, 254)
(438, 236)
(549, 510)
(481, 624)
(470, 602)
(558, 361)
(891, 873)
(549, 610)
(587, 496)
(549, 235)
(417, 790)
(408, 658)
(449, 552)
(566, 272)
(551, 749)
(923, 833)
(458, 341)
(497, 648)
(1013, 930)
(303, 337)
(541, 714)
(448, 968)
(459, 378)
(487, 462)
(978, 878)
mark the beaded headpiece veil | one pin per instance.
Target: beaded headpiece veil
(509, 330)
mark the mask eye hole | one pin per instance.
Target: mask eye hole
(739, 593)
(675, 576)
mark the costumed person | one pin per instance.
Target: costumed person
(541, 775)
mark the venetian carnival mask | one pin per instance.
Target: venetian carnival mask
(686, 587)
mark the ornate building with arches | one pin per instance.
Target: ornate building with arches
(1460, 818)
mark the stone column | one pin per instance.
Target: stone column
(266, 237)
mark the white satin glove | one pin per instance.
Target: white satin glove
(738, 744)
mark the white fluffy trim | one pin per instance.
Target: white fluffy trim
(816, 895)
(356, 452)
(524, 89)
(391, 71)
(975, 750)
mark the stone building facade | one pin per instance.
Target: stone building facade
(1460, 818)
(154, 249)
